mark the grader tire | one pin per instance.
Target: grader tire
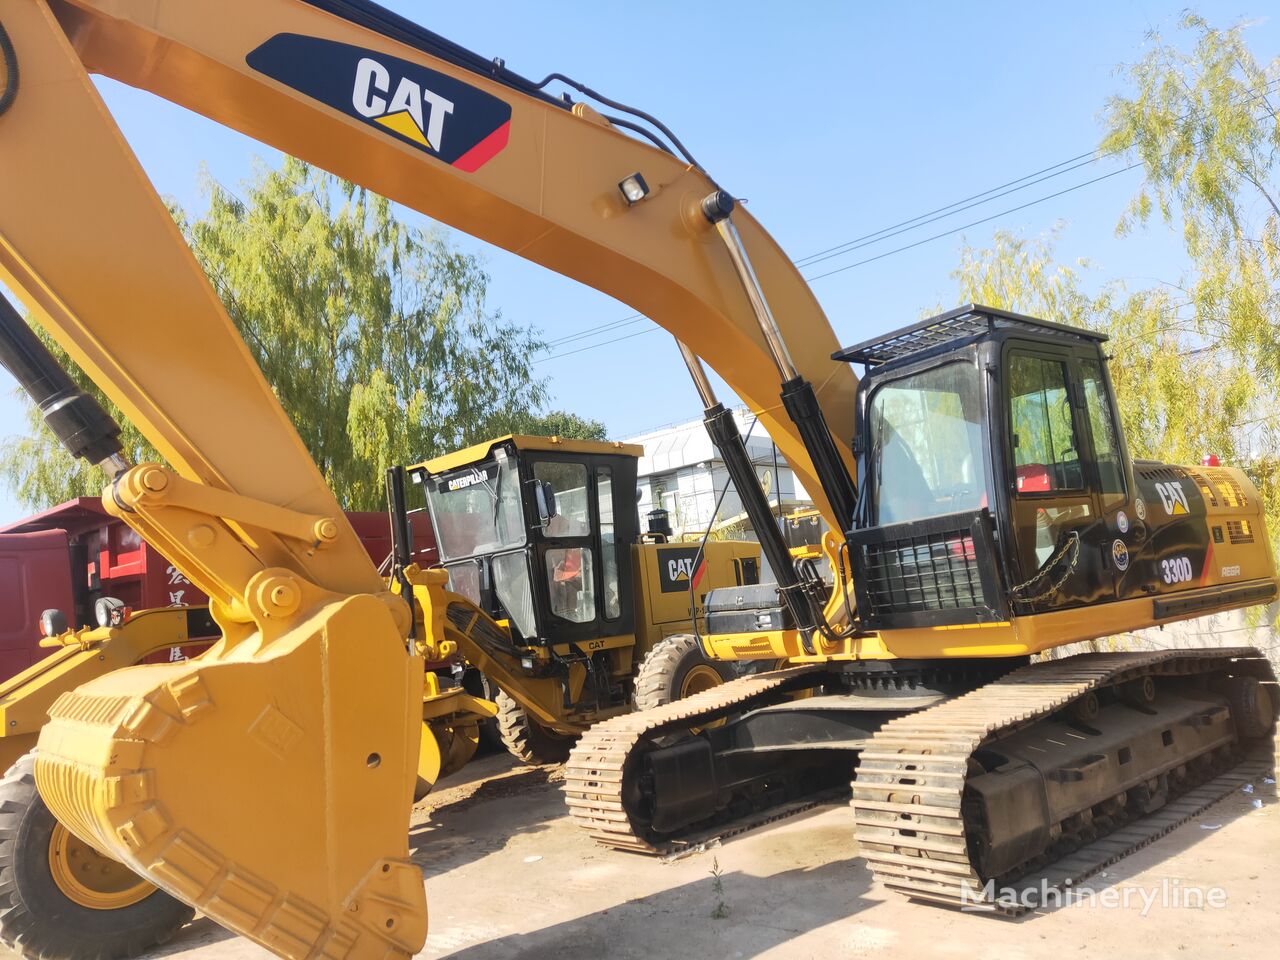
(525, 738)
(677, 668)
(60, 899)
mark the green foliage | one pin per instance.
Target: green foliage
(554, 423)
(1194, 357)
(721, 910)
(1204, 124)
(374, 335)
(1177, 400)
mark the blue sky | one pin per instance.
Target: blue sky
(835, 120)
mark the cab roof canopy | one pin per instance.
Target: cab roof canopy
(962, 323)
(481, 451)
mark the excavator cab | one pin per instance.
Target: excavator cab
(995, 484)
(989, 455)
(993, 472)
(536, 531)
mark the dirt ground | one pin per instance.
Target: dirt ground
(509, 876)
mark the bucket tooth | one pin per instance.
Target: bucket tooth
(268, 785)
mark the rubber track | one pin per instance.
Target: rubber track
(593, 779)
(907, 795)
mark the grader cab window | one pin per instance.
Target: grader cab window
(477, 512)
(926, 445)
(570, 569)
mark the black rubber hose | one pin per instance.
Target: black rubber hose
(10, 57)
(614, 104)
(648, 135)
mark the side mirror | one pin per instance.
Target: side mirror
(545, 495)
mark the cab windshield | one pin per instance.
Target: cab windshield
(476, 510)
(925, 442)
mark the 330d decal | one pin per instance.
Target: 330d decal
(460, 124)
(1176, 570)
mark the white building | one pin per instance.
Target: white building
(682, 472)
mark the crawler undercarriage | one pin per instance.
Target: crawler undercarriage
(966, 778)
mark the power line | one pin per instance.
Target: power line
(939, 213)
(959, 207)
(597, 329)
(904, 226)
(850, 266)
(974, 223)
(591, 346)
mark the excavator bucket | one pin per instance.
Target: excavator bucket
(266, 784)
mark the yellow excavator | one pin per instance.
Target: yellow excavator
(981, 506)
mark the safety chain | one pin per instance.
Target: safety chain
(1073, 540)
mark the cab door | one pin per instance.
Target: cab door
(1122, 530)
(1052, 482)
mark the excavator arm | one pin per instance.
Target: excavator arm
(267, 782)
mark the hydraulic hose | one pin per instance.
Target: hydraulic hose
(10, 58)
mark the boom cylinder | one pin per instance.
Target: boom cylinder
(75, 417)
(727, 438)
(798, 397)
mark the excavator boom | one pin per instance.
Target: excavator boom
(267, 782)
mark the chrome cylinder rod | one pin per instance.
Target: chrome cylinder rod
(717, 208)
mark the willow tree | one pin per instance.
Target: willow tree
(1176, 399)
(1197, 355)
(1204, 125)
(1201, 117)
(375, 335)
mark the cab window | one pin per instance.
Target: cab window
(608, 543)
(476, 510)
(569, 570)
(926, 445)
(1102, 425)
(1046, 451)
(568, 484)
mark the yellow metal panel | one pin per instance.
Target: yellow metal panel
(660, 613)
(288, 772)
(550, 196)
(25, 699)
(90, 248)
(478, 452)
